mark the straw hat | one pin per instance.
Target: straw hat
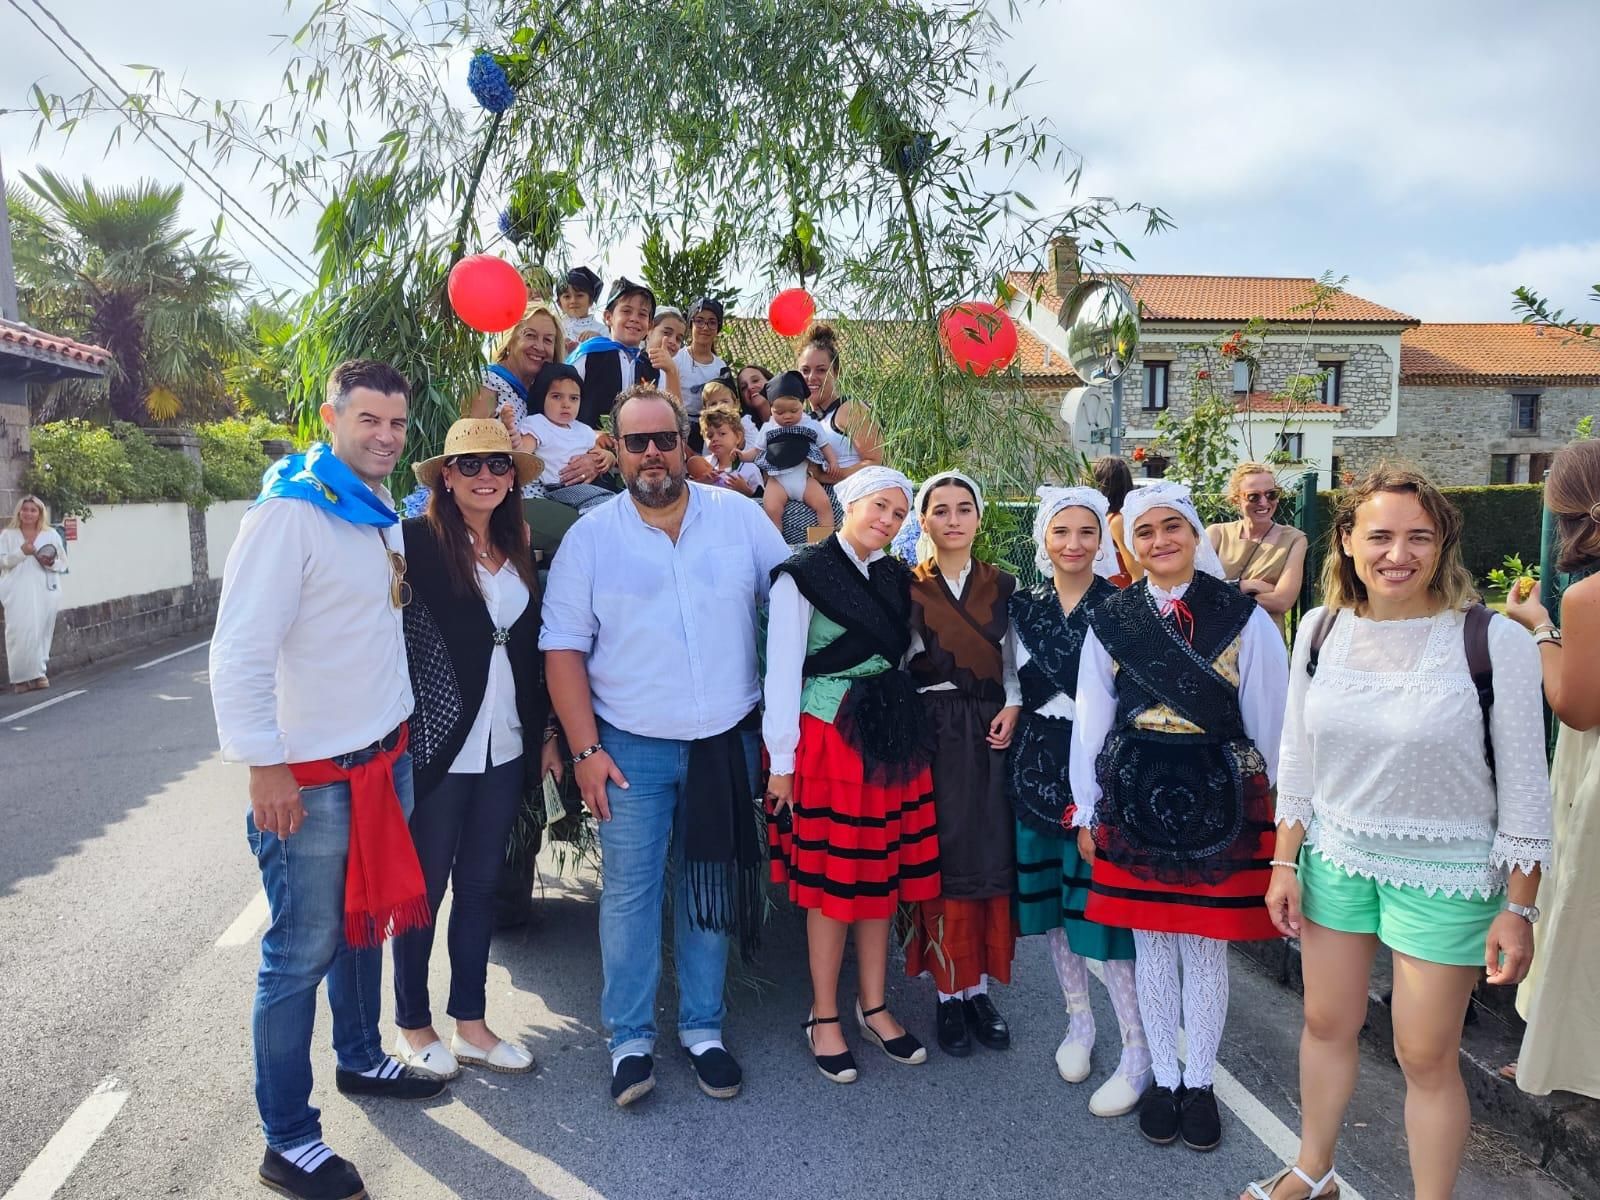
(482, 436)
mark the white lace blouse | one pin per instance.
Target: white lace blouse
(1382, 756)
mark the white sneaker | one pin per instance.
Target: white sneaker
(432, 1060)
(1072, 1060)
(505, 1058)
(1115, 1097)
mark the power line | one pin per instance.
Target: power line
(294, 262)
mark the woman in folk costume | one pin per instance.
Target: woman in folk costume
(851, 819)
(962, 659)
(1077, 557)
(1181, 687)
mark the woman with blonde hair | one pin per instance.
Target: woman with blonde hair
(32, 560)
(1261, 557)
(1561, 1051)
(1413, 811)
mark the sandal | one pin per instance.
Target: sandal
(836, 1068)
(904, 1049)
(1262, 1189)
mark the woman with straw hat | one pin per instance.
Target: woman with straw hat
(472, 638)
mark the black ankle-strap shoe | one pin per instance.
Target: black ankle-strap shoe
(334, 1178)
(835, 1068)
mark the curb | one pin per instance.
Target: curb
(1561, 1131)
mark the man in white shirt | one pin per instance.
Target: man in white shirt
(309, 683)
(698, 362)
(649, 635)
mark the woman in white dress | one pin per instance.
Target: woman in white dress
(1561, 1051)
(1410, 813)
(32, 560)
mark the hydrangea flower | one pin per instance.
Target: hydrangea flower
(490, 87)
(505, 224)
(416, 503)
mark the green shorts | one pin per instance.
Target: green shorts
(1439, 929)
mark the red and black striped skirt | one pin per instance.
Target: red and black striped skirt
(853, 850)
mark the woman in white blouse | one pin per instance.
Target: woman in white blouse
(1392, 825)
(472, 645)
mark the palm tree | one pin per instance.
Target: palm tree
(113, 267)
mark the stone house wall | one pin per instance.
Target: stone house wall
(1452, 432)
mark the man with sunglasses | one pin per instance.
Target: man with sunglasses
(310, 688)
(649, 635)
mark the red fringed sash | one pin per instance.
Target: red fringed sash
(384, 893)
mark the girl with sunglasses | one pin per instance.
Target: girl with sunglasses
(1259, 556)
(481, 736)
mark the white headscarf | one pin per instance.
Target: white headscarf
(1176, 496)
(1051, 501)
(944, 477)
(868, 480)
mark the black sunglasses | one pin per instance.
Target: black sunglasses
(470, 464)
(1271, 497)
(637, 443)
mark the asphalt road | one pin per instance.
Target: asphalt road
(124, 1052)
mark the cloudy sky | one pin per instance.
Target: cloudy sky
(1438, 152)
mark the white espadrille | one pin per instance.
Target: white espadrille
(432, 1060)
(505, 1058)
(1116, 1097)
(1072, 1060)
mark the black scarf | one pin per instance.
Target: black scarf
(722, 836)
(880, 717)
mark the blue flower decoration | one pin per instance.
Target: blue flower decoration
(904, 546)
(505, 223)
(490, 87)
(416, 503)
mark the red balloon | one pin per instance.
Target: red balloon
(980, 337)
(487, 293)
(791, 311)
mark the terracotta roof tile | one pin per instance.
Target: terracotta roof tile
(751, 339)
(1222, 298)
(1503, 352)
(27, 342)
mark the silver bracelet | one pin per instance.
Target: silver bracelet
(1278, 862)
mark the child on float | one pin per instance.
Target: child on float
(850, 809)
(723, 434)
(785, 446)
(1181, 688)
(576, 293)
(962, 659)
(1076, 557)
(554, 432)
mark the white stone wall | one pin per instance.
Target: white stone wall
(222, 526)
(1452, 432)
(127, 550)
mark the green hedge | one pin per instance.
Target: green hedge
(1496, 521)
(78, 464)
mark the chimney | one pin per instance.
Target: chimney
(1065, 267)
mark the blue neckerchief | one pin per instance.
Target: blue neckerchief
(520, 388)
(319, 476)
(596, 344)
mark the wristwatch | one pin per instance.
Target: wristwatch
(1528, 912)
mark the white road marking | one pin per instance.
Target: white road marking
(1242, 1103)
(28, 712)
(154, 662)
(247, 924)
(62, 1153)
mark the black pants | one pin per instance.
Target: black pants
(460, 830)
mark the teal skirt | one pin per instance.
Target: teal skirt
(1052, 888)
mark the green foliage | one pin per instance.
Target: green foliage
(1509, 571)
(1199, 444)
(680, 277)
(1584, 429)
(231, 458)
(77, 464)
(1534, 308)
(1497, 521)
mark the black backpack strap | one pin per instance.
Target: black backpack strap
(1318, 636)
(1475, 633)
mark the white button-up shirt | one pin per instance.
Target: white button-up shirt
(308, 659)
(668, 628)
(496, 734)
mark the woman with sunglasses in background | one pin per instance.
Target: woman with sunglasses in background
(472, 642)
(1259, 556)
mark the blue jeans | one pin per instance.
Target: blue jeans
(646, 820)
(304, 880)
(460, 830)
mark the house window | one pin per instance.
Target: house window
(1518, 468)
(1336, 470)
(1332, 387)
(1155, 385)
(1525, 412)
(1294, 445)
(1241, 377)
(1155, 466)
